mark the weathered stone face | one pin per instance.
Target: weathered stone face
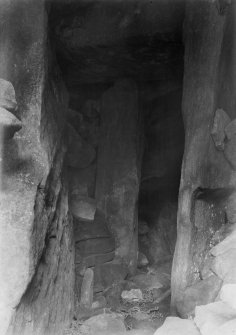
(207, 111)
(36, 268)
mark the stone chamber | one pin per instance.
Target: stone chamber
(118, 167)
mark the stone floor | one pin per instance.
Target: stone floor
(138, 305)
(142, 307)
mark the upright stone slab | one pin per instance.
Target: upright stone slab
(203, 165)
(118, 167)
(86, 298)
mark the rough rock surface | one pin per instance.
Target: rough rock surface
(203, 165)
(201, 293)
(36, 276)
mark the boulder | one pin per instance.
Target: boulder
(228, 328)
(206, 271)
(221, 120)
(224, 266)
(144, 323)
(228, 295)
(104, 324)
(132, 295)
(9, 124)
(86, 297)
(177, 326)
(201, 293)
(82, 207)
(228, 243)
(210, 317)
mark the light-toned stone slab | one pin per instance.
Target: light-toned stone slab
(86, 298)
(177, 326)
(228, 243)
(105, 324)
(83, 207)
(224, 266)
(221, 120)
(132, 295)
(210, 317)
(228, 295)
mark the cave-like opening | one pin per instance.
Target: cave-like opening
(122, 64)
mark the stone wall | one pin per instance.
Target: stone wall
(36, 273)
(207, 197)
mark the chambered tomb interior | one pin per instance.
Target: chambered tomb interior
(118, 167)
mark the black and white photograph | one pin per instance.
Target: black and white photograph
(117, 167)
